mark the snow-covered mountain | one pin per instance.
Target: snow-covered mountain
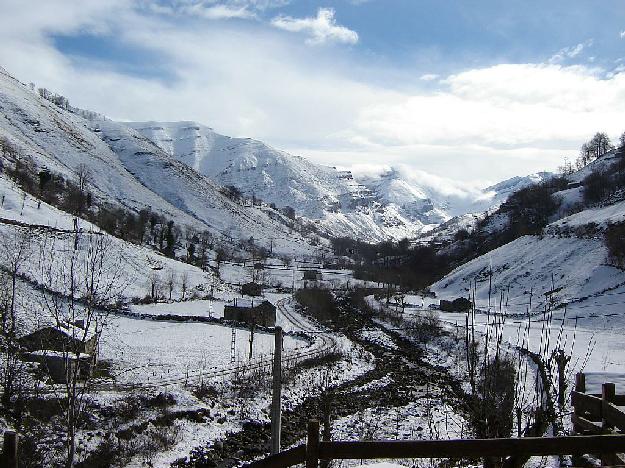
(178, 169)
(570, 254)
(504, 189)
(126, 169)
(394, 204)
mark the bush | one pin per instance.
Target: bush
(596, 187)
(493, 409)
(318, 302)
(614, 239)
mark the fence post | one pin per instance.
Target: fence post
(312, 444)
(580, 382)
(276, 407)
(608, 391)
(326, 434)
(9, 449)
(580, 386)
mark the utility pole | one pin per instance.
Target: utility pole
(276, 405)
(252, 340)
(233, 346)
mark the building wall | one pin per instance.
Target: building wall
(265, 317)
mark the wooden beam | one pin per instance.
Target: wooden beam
(613, 416)
(9, 449)
(290, 457)
(586, 405)
(584, 424)
(477, 448)
(580, 382)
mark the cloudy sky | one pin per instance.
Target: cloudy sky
(467, 89)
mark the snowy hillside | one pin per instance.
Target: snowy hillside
(570, 256)
(125, 169)
(394, 204)
(565, 277)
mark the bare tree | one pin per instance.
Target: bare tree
(84, 176)
(154, 283)
(184, 283)
(80, 282)
(15, 252)
(171, 282)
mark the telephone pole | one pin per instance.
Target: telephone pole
(276, 406)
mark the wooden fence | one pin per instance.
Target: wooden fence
(9, 450)
(511, 451)
(598, 413)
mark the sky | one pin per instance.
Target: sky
(476, 91)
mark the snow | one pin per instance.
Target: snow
(128, 170)
(160, 353)
(600, 215)
(526, 266)
(196, 308)
(394, 204)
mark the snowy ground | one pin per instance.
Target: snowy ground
(156, 353)
(290, 276)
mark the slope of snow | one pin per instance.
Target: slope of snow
(592, 323)
(507, 187)
(526, 266)
(392, 205)
(128, 170)
(600, 215)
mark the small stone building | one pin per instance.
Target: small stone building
(252, 289)
(461, 304)
(62, 338)
(312, 275)
(262, 314)
(60, 348)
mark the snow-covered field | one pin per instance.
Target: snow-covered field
(155, 352)
(291, 276)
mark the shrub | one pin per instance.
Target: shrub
(614, 239)
(596, 187)
(493, 408)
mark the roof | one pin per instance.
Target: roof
(249, 304)
(68, 329)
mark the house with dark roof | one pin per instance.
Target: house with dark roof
(260, 313)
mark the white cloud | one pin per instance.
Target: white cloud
(220, 11)
(569, 52)
(429, 77)
(502, 107)
(622, 34)
(321, 29)
(245, 79)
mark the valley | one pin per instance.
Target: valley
(146, 268)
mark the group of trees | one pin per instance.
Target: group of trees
(602, 183)
(594, 148)
(526, 212)
(398, 263)
(73, 290)
(75, 196)
(615, 242)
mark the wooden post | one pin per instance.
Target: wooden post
(580, 386)
(312, 444)
(326, 434)
(276, 409)
(9, 449)
(580, 382)
(608, 391)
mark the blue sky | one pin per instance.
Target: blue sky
(478, 90)
(428, 36)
